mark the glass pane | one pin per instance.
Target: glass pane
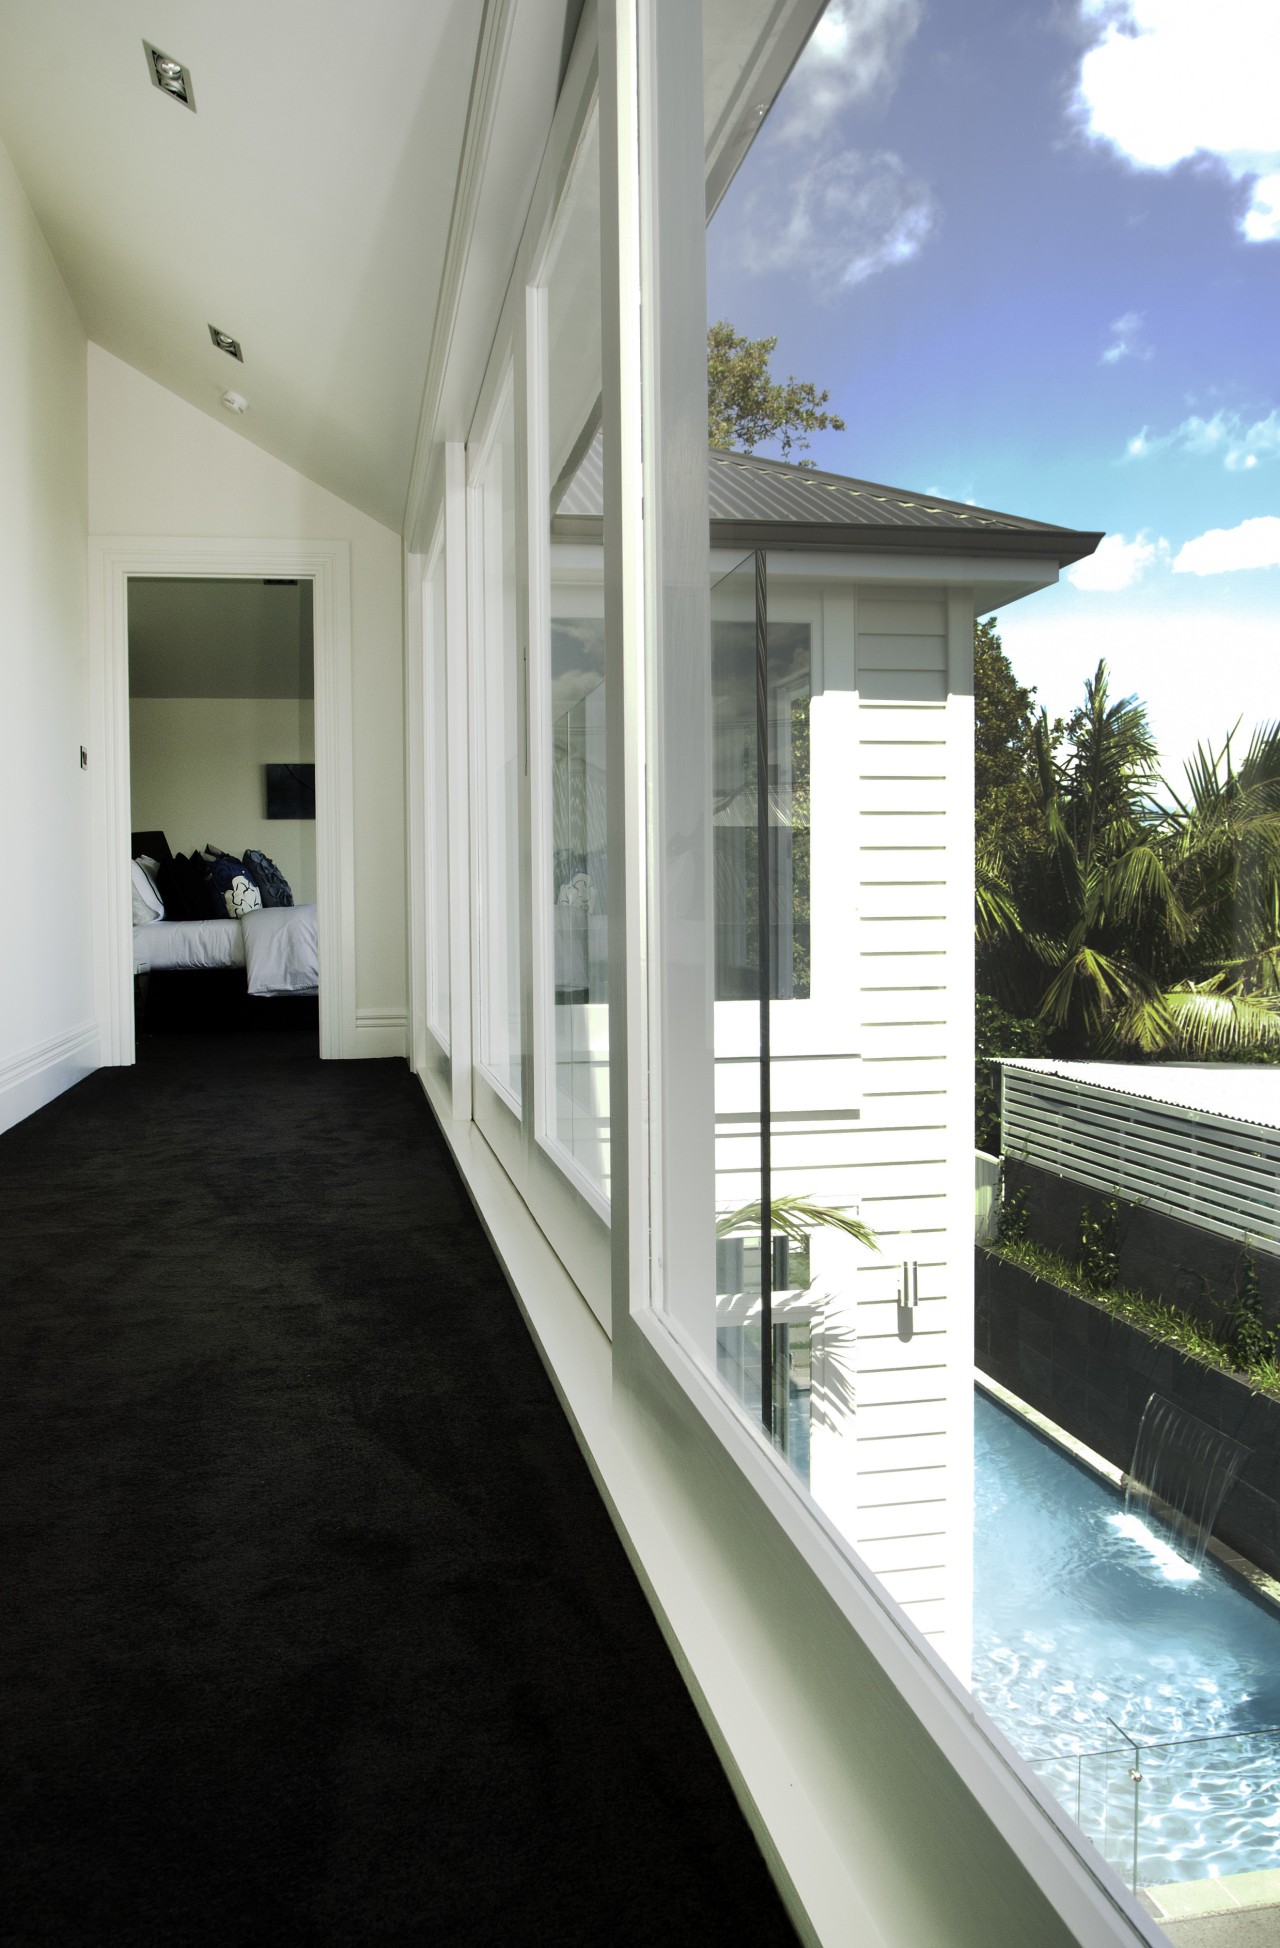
(494, 540)
(764, 1319)
(574, 837)
(743, 1270)
(437, 798)
(736, 832)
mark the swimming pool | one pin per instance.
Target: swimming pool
(1085, 1639)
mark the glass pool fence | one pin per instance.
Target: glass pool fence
(1149, 1807)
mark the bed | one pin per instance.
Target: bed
(195, 971)
(275, 945)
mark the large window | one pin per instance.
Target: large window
(499, 746)
(569, 798)
(436, 704)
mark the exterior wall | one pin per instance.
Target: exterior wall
(914, 1512)
(196, 773)
(47, 1034)
(158, 467)
(1092, 1374)
(873, 1054)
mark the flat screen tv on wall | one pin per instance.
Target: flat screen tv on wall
(291, 790)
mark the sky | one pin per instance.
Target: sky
(1032, 250)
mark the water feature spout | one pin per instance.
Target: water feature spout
(1181, 1471)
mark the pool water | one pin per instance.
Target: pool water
(1084, 1630)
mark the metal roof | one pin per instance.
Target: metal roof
(756, 503)
(1230, 1090)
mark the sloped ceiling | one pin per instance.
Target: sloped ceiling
(304, 206)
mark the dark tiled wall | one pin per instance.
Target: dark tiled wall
(1192, 1269)
(1092, 1373)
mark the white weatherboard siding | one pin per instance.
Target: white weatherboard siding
(47, 1034)
(913, 1416)
(876, 1057)
(1217, 1171)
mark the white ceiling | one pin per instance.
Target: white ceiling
(304, 207)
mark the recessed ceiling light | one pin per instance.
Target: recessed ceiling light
(170, 77)
(226, 343)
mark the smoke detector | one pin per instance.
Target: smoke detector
(235, 402)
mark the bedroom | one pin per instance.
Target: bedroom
(222, 747)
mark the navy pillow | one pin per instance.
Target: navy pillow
(184, 889)
(269, 879)
(235, 891)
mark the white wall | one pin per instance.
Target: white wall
(195, 766)
(47, 1037)
(157, 466)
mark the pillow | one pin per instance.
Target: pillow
(269, 879)
(185, 889)
(147, 903)
(234, 887)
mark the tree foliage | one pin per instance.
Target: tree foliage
(1125, 917)
(747, 407)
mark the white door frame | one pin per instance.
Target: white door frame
(113, 560)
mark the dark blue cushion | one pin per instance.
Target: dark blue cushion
(269, 879)
(235, 891)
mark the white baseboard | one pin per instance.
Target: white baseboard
(35, 1076)
(381, 1032)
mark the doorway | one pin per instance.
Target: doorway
(223, 814)
(113, 565)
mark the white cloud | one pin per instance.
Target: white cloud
(1155, 649)
(1127, 340)
(1254, 544)
(1168, 80)
(1117, 563)
(1226, 437)
(854, 54)
(840, 221)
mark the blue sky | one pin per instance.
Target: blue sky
(1032, 249)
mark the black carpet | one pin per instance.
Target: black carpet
(314, 1628)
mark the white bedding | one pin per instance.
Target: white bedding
(280, 950)
(188, 944)
(276, 945)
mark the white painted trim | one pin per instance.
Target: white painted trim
(482, 120)
(36, 1075)
(415, 770)
(461, 851)
(327, 565)
(381, 1033)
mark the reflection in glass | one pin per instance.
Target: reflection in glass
(734, 817)
(574, 870)
(494, 529)
(437, 699)
(761, 672)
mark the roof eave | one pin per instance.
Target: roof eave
(1063, 545)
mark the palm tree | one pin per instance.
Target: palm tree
(1221, 839)
(1147, 926)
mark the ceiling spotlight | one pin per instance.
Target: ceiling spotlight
(235, 402)
(226, 343)
(170, 77)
